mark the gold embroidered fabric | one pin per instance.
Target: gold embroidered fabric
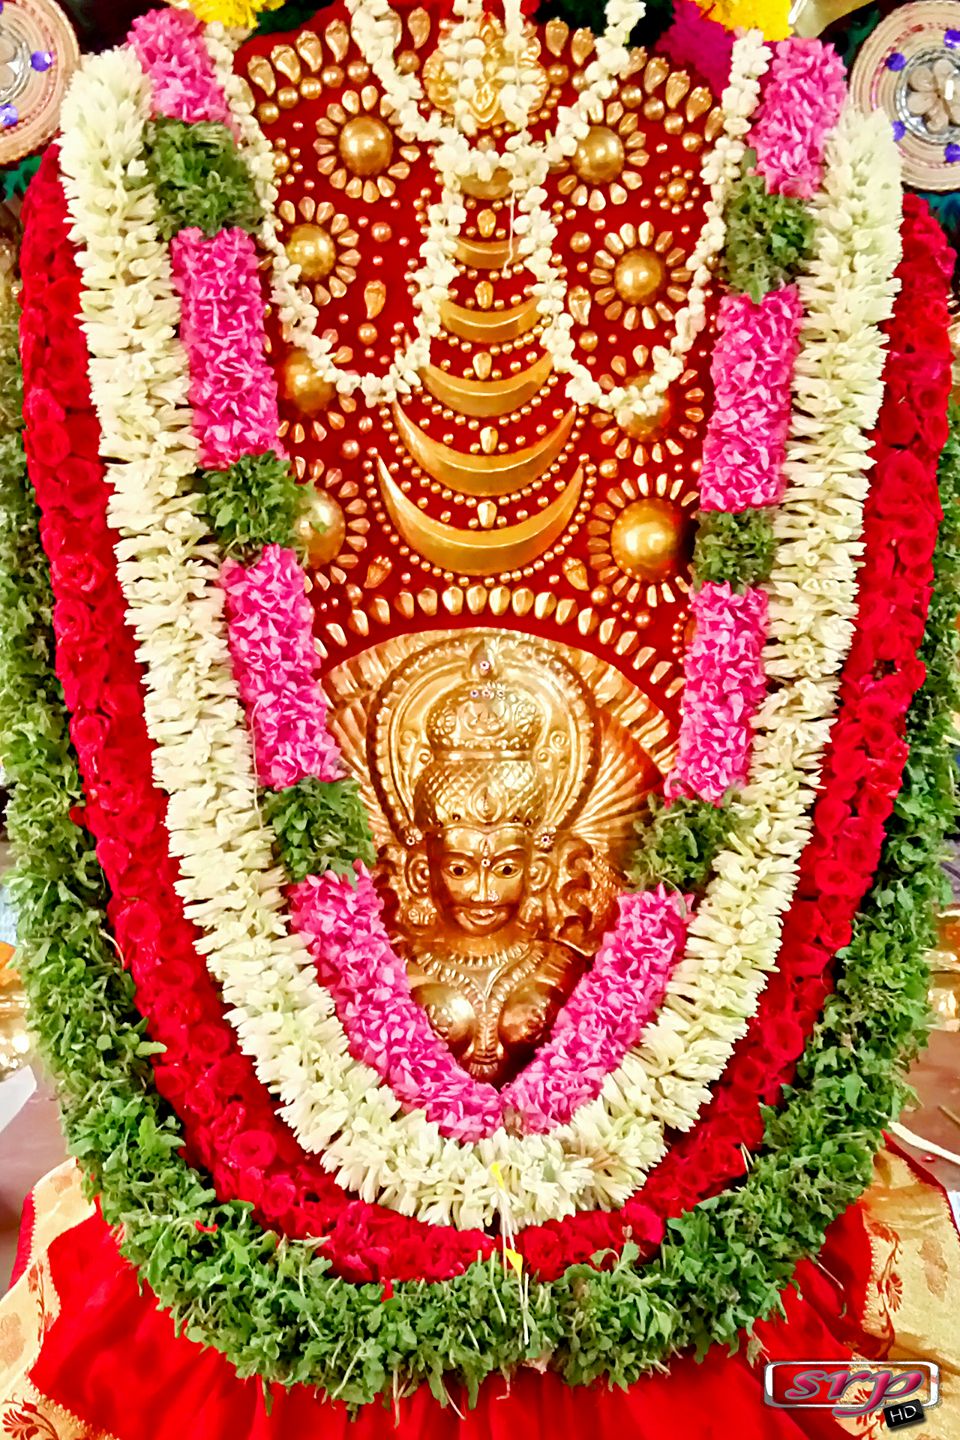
(911, 1306)
(28, 1311)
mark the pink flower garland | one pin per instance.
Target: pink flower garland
(275, 661)
(752, 368)
(232, 390)
(693, 41)
(388, 1030)
(384, 1025)
(169, 46)
(800, 106)
(724, 686)
(607, 1012)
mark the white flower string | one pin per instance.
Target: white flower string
(527, 163)
(720, 169)
(202, 757)
(375, 27)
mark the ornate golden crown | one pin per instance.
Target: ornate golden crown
(487, 719)
(482, 736)
(483, 700)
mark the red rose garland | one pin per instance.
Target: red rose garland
(229, 1119)
(863, 764)
(231, 1124)
(865, 759)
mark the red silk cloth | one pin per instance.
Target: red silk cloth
(112, 1360)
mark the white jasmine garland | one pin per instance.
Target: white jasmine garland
(375, 27)
(720, 169)
(295, 308)
(284, 1019)
(202, 759)
(528, 163)
(847, 293)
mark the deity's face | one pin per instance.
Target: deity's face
(479, 874)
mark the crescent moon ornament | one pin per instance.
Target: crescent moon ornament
(483, 474)
(487, 254)
(479, 552)
(486, 397)
(489, 327)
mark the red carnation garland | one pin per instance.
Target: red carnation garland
(230, 1122)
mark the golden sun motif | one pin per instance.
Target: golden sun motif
(608, 161)
(333, 528)
(358, 150)
(323, 243)
(641, 276)
(639, 539)
(646, 440)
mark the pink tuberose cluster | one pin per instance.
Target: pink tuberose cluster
(724, 686)
(169, 45)
(386, 1028)
(232, 387)
(607, 1012)
(752, 369)
(270, 631)
(801, 104)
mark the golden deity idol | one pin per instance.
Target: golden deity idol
(504, 786)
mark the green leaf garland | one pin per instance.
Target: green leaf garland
(199, 176)
(768, 238)
(319, 825)
(679, 843)
(736, 547)
(255, 502)
(14, 179)
(11, 378)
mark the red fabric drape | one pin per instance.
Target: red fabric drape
(112, 1359)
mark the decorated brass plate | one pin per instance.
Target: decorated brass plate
(38, 54)
(910, 68)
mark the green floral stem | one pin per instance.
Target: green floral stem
(319, 825)
(199, 177)
(255, 502)
(734, 546)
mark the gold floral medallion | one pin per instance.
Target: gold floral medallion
(485, 104)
